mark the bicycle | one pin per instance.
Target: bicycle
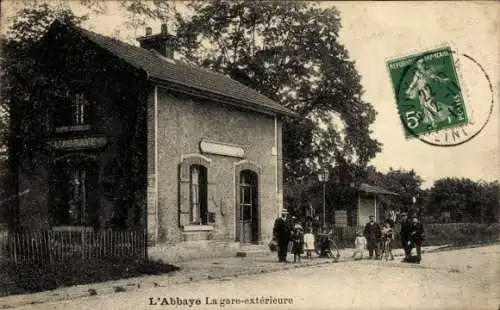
(325, 246)
(386, 252)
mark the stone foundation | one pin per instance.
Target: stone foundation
(193, 250)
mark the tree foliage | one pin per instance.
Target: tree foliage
(17, 69)
(407, 184)
(465, 199)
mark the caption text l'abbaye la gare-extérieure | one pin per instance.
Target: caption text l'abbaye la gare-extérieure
(220, 302)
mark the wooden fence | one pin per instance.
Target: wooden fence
(58, 246)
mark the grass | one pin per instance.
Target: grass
(22, 279)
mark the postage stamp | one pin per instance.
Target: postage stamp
(428, 92)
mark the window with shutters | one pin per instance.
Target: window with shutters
(196, 193)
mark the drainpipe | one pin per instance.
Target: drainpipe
(277, 164)
(156, 164)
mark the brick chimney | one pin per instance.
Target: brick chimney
(163, 42)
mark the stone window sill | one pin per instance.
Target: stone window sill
(198, 228)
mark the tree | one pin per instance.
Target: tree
(289, 51)
(407, 184)
(465, 199)
(30, 24)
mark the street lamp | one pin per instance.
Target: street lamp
(323, 178)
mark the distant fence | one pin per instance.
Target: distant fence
(435, 234)
(46, 247)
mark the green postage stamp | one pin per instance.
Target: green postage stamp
(428, 92)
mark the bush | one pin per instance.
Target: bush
(456, 234)
(30, 278)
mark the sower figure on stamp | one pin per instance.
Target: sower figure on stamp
(373, 236)
(281, 233)
(405, 234)
(416, 236)
(421, 85)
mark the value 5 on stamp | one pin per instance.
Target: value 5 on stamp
(428, 92)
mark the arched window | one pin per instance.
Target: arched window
(198, 194)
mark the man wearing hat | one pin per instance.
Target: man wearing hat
(281, 233)
(416, 236)
(373, 236)
(405, 234)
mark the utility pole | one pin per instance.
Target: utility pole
(323, 178)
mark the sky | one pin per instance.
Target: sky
(374, 32)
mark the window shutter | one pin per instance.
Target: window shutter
(184, 204)
(211, 197)
(212, 202)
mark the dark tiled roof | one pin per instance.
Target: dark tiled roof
(185, 75)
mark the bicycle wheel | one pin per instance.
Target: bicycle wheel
(386, 250)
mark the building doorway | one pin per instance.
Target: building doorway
(248, 222)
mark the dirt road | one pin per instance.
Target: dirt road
(461, 279)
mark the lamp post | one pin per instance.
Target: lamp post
(323, 178)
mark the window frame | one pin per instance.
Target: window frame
(75, 114)
(198, 195)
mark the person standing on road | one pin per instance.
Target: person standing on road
(404, 235)
(416, 236)
(298, 242)
(359, 246)
(387, 239)
(281, 233)
(309, 243)
(372, 234)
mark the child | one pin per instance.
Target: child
(298, 242)
(309, 243)
(387, 238)
(360, 246)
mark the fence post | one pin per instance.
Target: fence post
(83, 244)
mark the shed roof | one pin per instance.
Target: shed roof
(372, 189)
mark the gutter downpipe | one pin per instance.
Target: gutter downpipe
(278, 205)
(156, 163)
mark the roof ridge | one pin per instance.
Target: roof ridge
(181, 72)
(177, 61)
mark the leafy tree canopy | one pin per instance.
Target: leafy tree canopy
(466, 199)
(407, 184)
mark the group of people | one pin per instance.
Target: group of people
(379, 241)
(290, 237)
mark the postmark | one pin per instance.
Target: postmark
(434, 103)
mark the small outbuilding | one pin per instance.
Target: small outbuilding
(370, 200)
